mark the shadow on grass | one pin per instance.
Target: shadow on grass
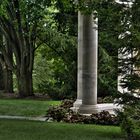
(31, 130)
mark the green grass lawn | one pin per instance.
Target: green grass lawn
(32, 130)
(18, 107)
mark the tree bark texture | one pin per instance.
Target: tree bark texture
(25, 83)
(1, 78)
(8, 80)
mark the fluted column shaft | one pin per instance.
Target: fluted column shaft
(89, 60)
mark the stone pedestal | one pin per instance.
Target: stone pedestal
(76, 105)
(89, 109)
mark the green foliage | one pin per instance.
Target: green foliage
(55, 66)
(130, 121)
(109, 16)
(132, 82)
(129, 68)
(60, 51)
(66, 17)
(106, 74)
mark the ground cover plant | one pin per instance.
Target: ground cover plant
(32, 130)
(63, 113)
(20, 107)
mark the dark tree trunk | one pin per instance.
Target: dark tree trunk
(8, 74)
(25, 84)
(8, 80)
(1, 78)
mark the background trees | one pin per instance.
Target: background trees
(19, 24)
(55, 67)
(59, 52)
(52, 25)
(109, 14)
(52, 28)
(65, 55)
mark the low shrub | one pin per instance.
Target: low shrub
(73, 117)
(105, 117)
(67, 103)
(58, 113)
(65, 114)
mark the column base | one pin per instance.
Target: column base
(76, 105)
(90, 109)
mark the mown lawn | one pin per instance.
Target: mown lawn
(32, 130)
(18, 107)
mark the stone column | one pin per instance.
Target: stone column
(78, 102)
(89, 65)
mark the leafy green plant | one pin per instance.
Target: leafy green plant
(57, 113)
(60, 112)
(67, 103)
(65, 114)
(105, 117)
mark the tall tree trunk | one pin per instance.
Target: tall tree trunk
(8, 80)
(8, 74)
(25, 84)
(1, 78)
